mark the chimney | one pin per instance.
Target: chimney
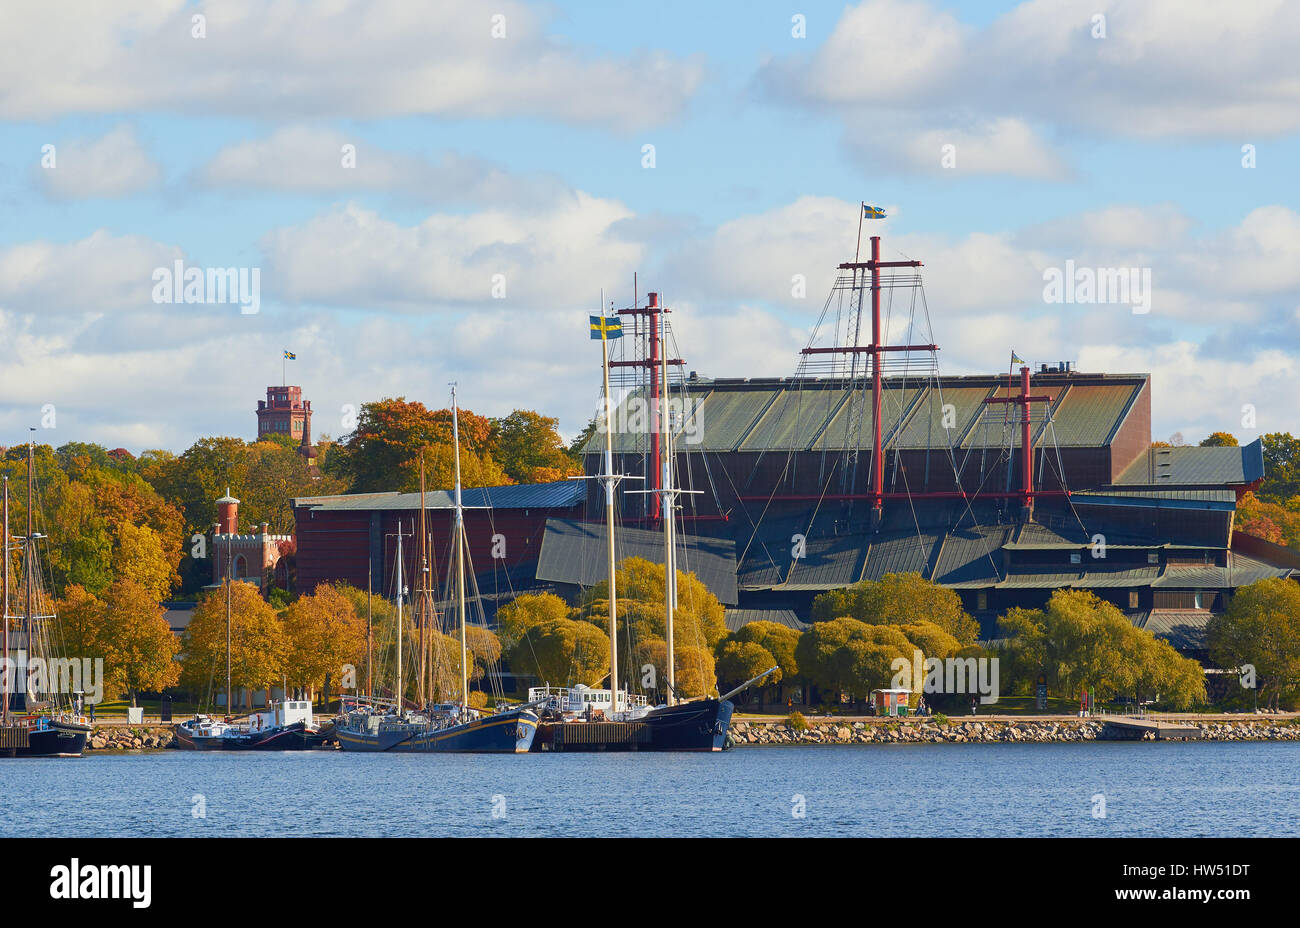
(228, 514)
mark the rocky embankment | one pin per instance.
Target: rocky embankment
(956, 731)
(130, 739)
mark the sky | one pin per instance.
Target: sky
(436, 192)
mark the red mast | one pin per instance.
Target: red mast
(652, 311)
(874, 351)
(1026, 447)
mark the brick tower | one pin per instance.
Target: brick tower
(285, 412)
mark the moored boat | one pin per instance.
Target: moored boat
(202, 733)
(52, 726)
(374, 725)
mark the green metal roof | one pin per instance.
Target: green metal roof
(1185, 630)
(1196, 466)
(1087, 415)
(812, 413)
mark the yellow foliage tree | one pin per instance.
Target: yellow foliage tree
(258, 644)
(324, 633)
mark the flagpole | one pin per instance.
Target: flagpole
(857, 252)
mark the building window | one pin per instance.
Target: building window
(981, 600)
(1153, 557)
(1199, 600)
(1133, 599)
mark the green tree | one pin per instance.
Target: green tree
(523, 612)
(1261, 628)
(1281, 467)
(1080, 642)
(847, 656)
(563, 652)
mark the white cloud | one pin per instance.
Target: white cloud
(1004, 146)
(904, 75)
(352, 58)
(307, 159)
(94, 274)
(114, 165)
(352, 256)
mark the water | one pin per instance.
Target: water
(1150, 789)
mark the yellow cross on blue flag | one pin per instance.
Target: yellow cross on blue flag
(872, 212)
(603, 327)
(1015, 358)
(290, 356)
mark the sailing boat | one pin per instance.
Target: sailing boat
(49, 727)
(628, 724)
(373, 725)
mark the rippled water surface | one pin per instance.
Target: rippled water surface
(1155, 789)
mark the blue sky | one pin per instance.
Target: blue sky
(522, 155)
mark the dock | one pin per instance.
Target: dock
(1131, 729)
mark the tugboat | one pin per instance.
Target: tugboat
(53, 727)
(202, 733)
(284, 726)
(371, 725)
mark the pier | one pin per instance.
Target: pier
(1133, 729)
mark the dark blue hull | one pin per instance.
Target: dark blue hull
(504, 733)
(50, 739)
(700, 725)
(295, 737)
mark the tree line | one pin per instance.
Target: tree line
(112, 516)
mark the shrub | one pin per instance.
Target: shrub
(796, 721)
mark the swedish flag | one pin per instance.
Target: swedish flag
(1015, 358)
(290, 356)
(603, 327)
(872, 212)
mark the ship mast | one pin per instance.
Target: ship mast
(27, 553)
(670, 517)
(421, 613)
(611, 482)
(4, 670)
(398, 692)
(460, 554)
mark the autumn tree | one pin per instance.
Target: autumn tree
(899, 599)
(323, 633)
(258, 644)
(384, 451)
(127, 629)
(1219, 440)
(530, 449)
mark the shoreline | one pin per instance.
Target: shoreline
(925, 730)
(108, 738)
